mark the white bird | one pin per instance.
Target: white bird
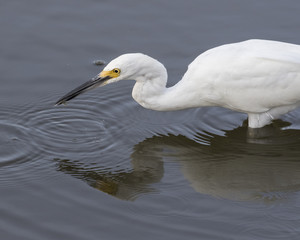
(257, 77)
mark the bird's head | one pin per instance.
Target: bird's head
(133, 66)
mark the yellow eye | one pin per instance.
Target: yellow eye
(116, 70)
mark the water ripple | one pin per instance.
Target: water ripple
(83, 127)
(16, 144)
(271, 230)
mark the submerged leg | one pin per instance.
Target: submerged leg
(258, 120)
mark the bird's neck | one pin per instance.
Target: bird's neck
(153, 94)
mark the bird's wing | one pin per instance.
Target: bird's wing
(251, 76)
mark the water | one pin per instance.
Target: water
(103, 167)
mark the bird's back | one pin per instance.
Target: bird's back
(250, 76)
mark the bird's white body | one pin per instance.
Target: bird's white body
(257, 77)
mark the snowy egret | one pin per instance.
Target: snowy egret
(257, 77)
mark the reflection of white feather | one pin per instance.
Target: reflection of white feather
(242, 179)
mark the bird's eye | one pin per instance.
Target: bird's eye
(116, 70)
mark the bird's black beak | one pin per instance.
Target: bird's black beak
(93, 83)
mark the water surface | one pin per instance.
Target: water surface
(104, 167)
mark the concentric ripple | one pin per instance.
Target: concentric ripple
(83, 127)
(15, 143)
(19, 152)
(54, 129)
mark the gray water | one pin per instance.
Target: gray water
(103, 167)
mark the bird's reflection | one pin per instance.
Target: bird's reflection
(126, 185)
(239, 165)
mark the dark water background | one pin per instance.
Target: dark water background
(103, 167)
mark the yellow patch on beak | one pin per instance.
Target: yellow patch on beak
(112, 73)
